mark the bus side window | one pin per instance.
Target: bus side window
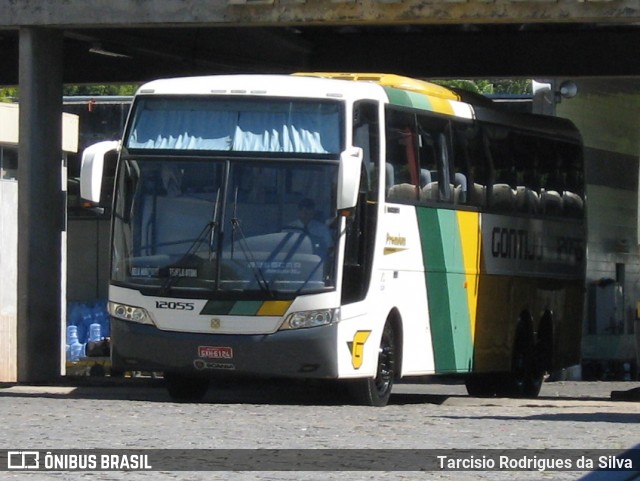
(401, 171)
(437, 183)
(429, 172)
(360, 229)
(469, 177)
(366, 135)
(501, 191)
(573, 196)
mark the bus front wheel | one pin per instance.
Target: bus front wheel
(184, 388)
(376, 391)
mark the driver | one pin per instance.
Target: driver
(316, 230)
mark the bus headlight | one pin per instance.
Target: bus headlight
(129, 313)
(304, 319)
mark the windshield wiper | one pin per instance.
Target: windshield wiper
(176, 268)
(261, 280)
(212, 238)
(208, 234)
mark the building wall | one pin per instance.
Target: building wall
(607, 112)
(8, 280)
(87, 259)
(9, 138)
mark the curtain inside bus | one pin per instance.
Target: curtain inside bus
(243, 125)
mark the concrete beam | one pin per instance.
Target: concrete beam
(125, 13)
(488, 53)
(40, 205)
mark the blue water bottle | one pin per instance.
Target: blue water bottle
(76, 349)
(95, 332)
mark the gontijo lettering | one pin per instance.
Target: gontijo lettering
(516, 244)
(522, 244)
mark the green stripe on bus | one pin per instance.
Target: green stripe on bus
(246, 308)
(232, 308)
(217, 308)
(446, 293)
(407, 99)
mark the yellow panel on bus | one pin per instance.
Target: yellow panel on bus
(390, 80)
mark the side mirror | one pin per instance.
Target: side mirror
(349, 177)
(92, 167)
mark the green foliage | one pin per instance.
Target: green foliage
(98, 90)
(489, 87)
(10, 94)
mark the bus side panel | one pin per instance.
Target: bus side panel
(398, 288)
(355, 345)
(503, 298)
(359, 335)
(567, 336)
(492, 342)
(526, 267)
(451, 250)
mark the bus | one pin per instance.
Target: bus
(362, 228)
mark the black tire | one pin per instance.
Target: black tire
(483, 385)
(525, 383)
(184, 388)
(376, 391)
(527, 374)
(97, 370)
(544, 343)
(525, 378)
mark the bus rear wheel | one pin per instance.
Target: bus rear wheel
(527, 374)
(525, 381)
(376, 391)
(184, 388)
(525, 378)
(483, 385)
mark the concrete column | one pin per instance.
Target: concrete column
(40, 204)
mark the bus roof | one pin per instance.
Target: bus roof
(262, 85)
(388, 88)
(390, 80)
(535, 123)
(410, 92)
(407, 92)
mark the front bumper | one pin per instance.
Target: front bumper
(302, 353)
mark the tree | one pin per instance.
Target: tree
(490, 87)
(11, 94)
(8, 94)
(98, 90)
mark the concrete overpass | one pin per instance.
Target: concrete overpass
(121, 40)
(45, 43)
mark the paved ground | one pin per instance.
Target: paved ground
(138, 414)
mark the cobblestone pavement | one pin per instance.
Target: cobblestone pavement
(138, 414)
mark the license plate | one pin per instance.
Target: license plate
(211, 352)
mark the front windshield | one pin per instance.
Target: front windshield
(231, 124)
(201, 228)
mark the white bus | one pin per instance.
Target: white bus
(362, 228)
